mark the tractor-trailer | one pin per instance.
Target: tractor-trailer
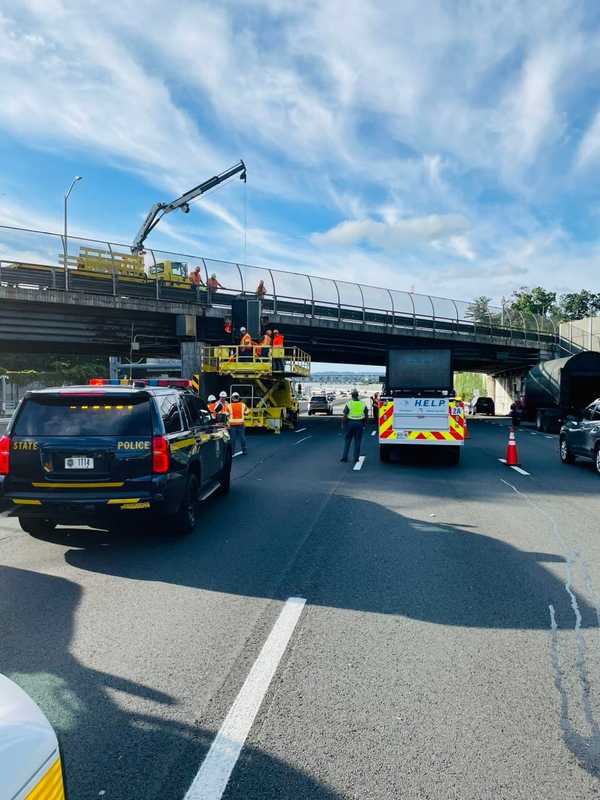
(554, 389)
(418, 406)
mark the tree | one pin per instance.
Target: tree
(537, 301)
(479, 309)
(576, 305)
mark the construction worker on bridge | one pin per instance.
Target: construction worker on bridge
(266, 344)
(356, 414)
(237, 414)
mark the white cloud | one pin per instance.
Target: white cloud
(392, 232)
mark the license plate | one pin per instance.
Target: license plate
(79, 462)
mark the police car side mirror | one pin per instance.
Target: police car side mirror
(573, 419)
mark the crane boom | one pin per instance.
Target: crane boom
(158, 210)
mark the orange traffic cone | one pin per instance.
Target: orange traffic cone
(512, 455)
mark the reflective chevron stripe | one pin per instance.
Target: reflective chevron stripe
(456, 417)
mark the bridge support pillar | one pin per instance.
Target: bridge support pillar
(505, 389)
(191, 358)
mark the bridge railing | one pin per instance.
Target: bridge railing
(36, 259)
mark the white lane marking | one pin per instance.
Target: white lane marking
(520, 471)
(374, 432)
(548, 437)
(214, 773)
(304, 438)
(239, 453)
(301, 429)
(531, 433)
(359, 464)
(503, 460)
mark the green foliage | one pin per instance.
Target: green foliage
(537, 301)
(52, 370)
(467, 383)
(576, 305)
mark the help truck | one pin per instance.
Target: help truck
(418, 406)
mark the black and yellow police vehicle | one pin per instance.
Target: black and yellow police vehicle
(99, 454)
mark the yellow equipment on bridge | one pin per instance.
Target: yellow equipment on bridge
(93, 262)
(261, 376)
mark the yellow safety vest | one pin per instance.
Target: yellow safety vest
(356, 409)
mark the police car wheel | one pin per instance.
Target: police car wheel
(225, 479)
(186, 517)
(37, 526)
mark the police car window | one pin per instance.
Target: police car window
(194, 407)
(98, 415)
(169, 411)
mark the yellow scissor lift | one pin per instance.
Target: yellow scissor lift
(260, 375)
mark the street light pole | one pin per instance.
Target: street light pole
(73, 182)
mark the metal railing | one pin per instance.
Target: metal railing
(35, 259)
(255, 359)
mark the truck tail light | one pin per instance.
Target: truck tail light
(4, 455)
(160, 454)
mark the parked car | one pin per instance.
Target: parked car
(319, 404)
(580, 436)
(484, 405)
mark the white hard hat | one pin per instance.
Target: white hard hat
(223, 394)
(235, 394)
(211, 398)
(243, 329)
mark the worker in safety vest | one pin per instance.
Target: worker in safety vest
(356, 414)
(245, 345)
(223, 410)
(237, 414)
(278, 363)
(266, 343)
(212, 405)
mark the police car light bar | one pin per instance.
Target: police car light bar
(171, 383)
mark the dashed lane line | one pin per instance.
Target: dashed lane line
(304, 438)
(214, 773)
(301, 429)
(359, 464)
(516, 469)
(373, 433)
(239, 453)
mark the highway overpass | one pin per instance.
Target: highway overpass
(333, 320)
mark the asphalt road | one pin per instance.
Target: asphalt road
(424, 665)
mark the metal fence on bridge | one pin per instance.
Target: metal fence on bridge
(36, 259)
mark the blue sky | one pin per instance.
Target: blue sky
(450, 148)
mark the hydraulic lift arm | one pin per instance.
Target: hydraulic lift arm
(158, 210)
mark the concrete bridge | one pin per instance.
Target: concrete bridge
(333, 320)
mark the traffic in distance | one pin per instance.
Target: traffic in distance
(145, 455)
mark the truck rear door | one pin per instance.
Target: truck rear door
(68, 440)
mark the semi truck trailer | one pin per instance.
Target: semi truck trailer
(554, 389)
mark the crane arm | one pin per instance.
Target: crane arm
(158, 210)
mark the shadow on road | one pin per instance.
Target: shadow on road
(365, 557)
(106, 747)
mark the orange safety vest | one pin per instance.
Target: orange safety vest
(278, 340)
(237, 411)
(224, 408)
(211, 408)
(266, 342)
(246, 340)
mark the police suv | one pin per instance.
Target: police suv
(97, 454)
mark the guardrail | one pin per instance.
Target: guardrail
(35, 259)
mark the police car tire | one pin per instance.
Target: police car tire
(225, 479)
(37, 526)
(186, 516)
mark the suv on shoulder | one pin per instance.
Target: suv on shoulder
(93, 455)
(580, 436)
(484, 405)
(319, 404)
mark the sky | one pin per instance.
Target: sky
(446, 148)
